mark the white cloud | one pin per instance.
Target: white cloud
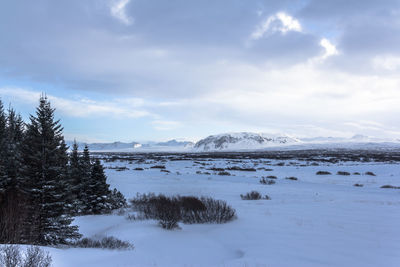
(280, 22)
(388, 63)
(330, 49)
(82, 107)
(119, 12)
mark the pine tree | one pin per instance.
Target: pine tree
(3, 176)
(99, 192)
(13, 204)
(75, 175)
(45, 172)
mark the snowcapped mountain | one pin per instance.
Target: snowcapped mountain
(246, 141)
(243, 141)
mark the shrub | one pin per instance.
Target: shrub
(108, 242)
(292, 178)
(390, 186)
(323, 173)
(10, 256)
(267, 181)
(254, 195)
(343, 173)
(117, 199)
(157, 167)
(138, 169)
(236, 168)
(358, 185)
(356, 173)
(188, 209)
(272, 177)
(34, 256)
(224, 173)
(216, 169)
(370, 173)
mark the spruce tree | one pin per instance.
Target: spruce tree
(13, 206)
(3, 176)
(75, 175)
(99, 191)
(45, 175)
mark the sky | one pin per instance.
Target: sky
(136, 70)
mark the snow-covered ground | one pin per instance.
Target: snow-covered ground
(318, 220)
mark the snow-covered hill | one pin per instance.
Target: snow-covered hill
(243, 141)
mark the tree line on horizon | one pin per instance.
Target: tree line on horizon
(42, 186)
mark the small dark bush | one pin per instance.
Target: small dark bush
(254, 195)
(280, 164)
(390, 186)
(343, 173)
(323, 173)
(272, 177)
(105, 243)
(358, 185)
(138, 169)
(117, 199)
(292, 178)
(10, 256)
(157, 167)
(267, 181)
(216, 169)
(236, 168)
(356, 173)
(167, 171)
(224, 173)
(370, 173)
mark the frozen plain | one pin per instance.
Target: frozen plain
(318, 220)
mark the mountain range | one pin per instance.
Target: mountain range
(245, 141)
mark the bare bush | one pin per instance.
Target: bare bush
(11, 256)
(267, 181)
(343, 173)
(358, 185)
(108, 242)
(254, 195)
(291, 178)
(188, 209)
(370, 173)
(34, 256)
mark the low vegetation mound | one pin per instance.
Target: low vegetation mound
(236, 168)
(323, 173)
(390, 186)
(343, 173)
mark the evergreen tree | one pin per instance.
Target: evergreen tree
(3, 176)
(75, 175)
(13, 201)
(45, 172)
(98, 190)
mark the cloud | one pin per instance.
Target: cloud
(280, 22)
(118, 10)
(82, 107)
